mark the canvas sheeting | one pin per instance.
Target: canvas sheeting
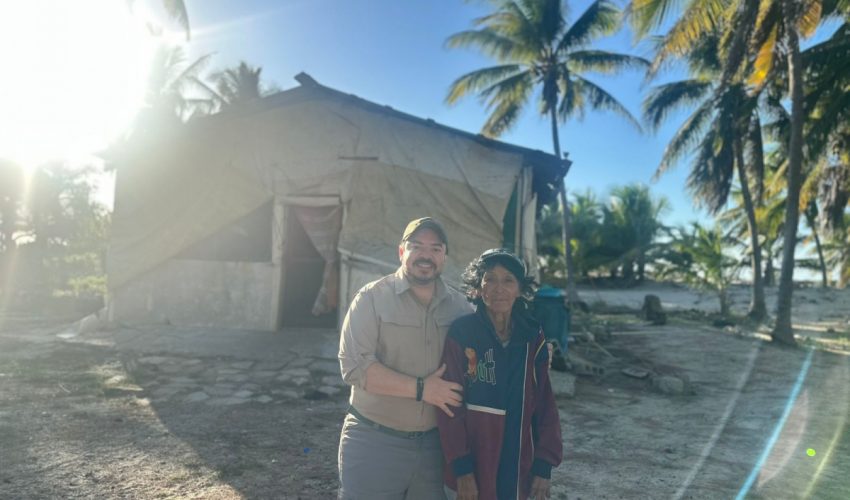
(385, 170)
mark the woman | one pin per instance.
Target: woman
(505, 439)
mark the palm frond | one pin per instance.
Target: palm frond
(810, 18)
(177, 10)
(506, 98)
(479, 80)
(599, 99)
(193, 69)
(664, 99)
(685, 138)
(763, 63)
(711, 176)
(768, 17)
(740, 20)
(604, 62)
(488, 41)
(601, 18)
(648, 15)
(701, 17)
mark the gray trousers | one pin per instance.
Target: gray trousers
(374, 465)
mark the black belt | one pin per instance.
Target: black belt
(389, 430)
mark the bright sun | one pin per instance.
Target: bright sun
(73, 76)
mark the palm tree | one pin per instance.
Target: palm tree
(769, 214)
(837, 253)
(11, 184)
(759, 34)
(176, 10)
(776, 36)
(237, 86)
(783, 331)
(723, 126)
(550, 246)
(537, 50)
(699, 257)
(828, 127)
(168, 98)
(827, 98)
(637, 216)
(811, 215)
(586, 220)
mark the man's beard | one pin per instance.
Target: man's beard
(416, 280)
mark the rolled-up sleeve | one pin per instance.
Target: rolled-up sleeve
(358, 340)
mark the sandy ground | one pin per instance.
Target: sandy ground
(81, 419)
(815, 309)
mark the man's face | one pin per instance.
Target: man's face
(422, 257)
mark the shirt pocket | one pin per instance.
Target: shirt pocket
(444, 321)
(400, 341)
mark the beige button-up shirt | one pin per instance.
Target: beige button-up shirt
(385, 323)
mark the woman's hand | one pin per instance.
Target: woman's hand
(467, 489)
(539, 488)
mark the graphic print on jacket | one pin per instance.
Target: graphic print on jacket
(480, 371)
(491, 435)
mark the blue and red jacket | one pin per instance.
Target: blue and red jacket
(508, 429)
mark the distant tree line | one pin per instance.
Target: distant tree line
(53, 234)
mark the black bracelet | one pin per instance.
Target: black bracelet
(420, 388)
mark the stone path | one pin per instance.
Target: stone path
(220, 367)
(223, 381)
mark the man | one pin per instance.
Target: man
(390, 349)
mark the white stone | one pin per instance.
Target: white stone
(89, 324)
(197, 397)
(227, 401)
(153, 360)
(329, 390)
(294, 372)
(563, 384)
(333, 380)
(324, 366)
(668, 384)
(300, 381)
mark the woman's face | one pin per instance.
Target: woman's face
(499, 289)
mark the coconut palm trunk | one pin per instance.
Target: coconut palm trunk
(811, 221)
(566, 228)
(783, 331)
(758, 309)
(769, 270)
(723, 297)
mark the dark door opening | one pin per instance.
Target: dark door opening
(302, 279)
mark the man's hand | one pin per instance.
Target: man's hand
(442, 393)
(539, 488)
(467, 489)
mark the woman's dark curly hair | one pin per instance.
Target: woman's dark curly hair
(474, 273)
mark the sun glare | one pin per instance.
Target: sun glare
(73, 76)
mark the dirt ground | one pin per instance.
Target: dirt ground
(88, 420)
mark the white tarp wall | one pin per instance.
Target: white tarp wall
(384, 169)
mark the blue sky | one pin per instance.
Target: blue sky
(392, 52)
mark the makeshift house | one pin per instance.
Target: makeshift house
(275, 214)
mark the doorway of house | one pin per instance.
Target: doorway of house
(303, 273)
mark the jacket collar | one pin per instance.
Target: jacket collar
(525, 327)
